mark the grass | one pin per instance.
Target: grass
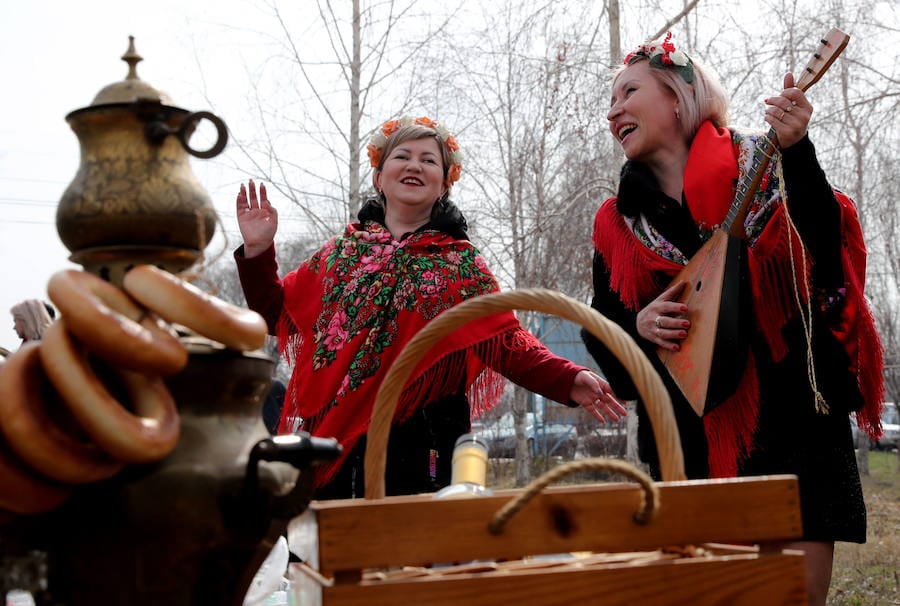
(869, 574)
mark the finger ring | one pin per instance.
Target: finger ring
(782, 115)
(657, 322)
(789, 108)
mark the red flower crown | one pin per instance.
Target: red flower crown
(664, 55)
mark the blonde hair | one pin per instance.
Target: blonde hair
(703, 99)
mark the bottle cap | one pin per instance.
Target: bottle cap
(471, 437)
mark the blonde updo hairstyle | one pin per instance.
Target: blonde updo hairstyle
(703, 99)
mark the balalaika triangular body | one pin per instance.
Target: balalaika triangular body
(710, 361)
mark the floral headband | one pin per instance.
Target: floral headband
(664, 55)
(379, 140)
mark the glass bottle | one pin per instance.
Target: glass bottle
(469, 475)
(468, 479)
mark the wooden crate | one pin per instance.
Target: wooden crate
(707, 541)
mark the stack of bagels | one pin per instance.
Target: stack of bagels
(62, 417)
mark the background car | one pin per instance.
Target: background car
(890, 422)
(552, 438)
(543, 438)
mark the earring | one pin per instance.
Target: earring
(677, 115)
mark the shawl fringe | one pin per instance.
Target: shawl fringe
(731, 427)
(350, 310)
(444, 376)
(773, 277)
(858, 331)
(870, 377)
(619, 248)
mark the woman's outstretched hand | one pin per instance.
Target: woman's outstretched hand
(257, 219)
(597, 397)
(789, 113)
(662, 321)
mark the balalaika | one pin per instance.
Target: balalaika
(708, 364)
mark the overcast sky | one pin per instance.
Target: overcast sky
(55, 55)
(54, 58)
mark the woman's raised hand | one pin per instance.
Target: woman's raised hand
(257, 219)
(597, 397)
(789, 113)
(662, 322)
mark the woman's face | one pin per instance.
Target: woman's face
(642, 114)
(413, 174)
(19, 325)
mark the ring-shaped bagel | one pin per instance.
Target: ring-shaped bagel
(33, 436)
(145, 436)
(22, 492)
(183, 303)
(116, 328)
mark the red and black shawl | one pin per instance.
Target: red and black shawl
(351, 308)
(638, 274)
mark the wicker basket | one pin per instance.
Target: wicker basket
(673, 542)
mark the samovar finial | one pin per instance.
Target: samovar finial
(132, 58)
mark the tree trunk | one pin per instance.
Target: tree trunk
(631, 434)
(862, 454)
(615, 40)
(523, 455)
(355, 68)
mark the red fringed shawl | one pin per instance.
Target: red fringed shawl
(352, 307)
(639, 273)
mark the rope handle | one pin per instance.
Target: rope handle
(646, 379)
(648, 507)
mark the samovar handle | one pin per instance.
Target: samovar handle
(300, 450)
(157, 130)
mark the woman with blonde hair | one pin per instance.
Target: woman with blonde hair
(807, 355)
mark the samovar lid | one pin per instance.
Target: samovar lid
(132, 89)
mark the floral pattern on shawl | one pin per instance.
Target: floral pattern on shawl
(769, 193)
(371, 279)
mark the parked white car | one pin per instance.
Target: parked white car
(547, 438)
(890, 423)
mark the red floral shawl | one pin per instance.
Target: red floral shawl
(351, 308)
(639, 273)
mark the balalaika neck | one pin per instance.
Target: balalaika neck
(748, 185)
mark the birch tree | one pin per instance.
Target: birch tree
(337, 71)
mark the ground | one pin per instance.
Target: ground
(869, 574)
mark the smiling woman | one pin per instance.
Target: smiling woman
(344, 315)
(412, 178)
(797, 292)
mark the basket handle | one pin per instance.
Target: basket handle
(646, 379)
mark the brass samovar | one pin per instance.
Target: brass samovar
(194, 527)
